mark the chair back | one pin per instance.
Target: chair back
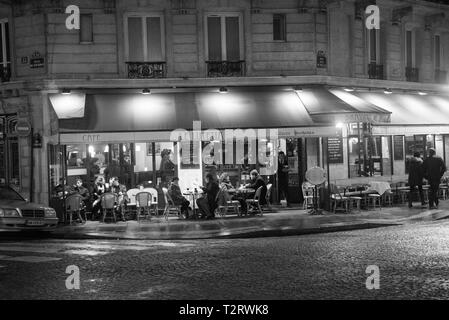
(153, 192)
(74, 202)
(307, 189)
(258, 193)
(168, 199)
(108, 200)
(268, 195)
(143, 199)
(132, 195)
(335, 190)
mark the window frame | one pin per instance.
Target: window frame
(92, 28)
(4, 47)
(368, 38)
(284, 27)
(223, 16)
(413, 47)
(143, 16)
(435, 53)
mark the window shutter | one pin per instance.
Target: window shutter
(232, 39)
(214, 38)
(135, 40)
(154, 41)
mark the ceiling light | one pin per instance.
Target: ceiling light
(146, 91)
(388, 91)
(297, 89)
(349, 89)
(223, 90)
(65, 91)
(421, 93)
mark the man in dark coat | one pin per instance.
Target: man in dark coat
(415, 178)
(283, 177)
(434, 169)
(208, 204)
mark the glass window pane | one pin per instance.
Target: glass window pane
(232, 38)
(8, 57)
(2, 42)
(386, 156)
(135, 39)
(86, 28)
(408, 54)
(354, 150)
(373, 45)
(279, 27)
(437, 52)
(154, 40)
(214, 38)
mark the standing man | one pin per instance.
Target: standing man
(283, 177)
(434, 169)
(415, 177)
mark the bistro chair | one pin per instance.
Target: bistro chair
(374, 200)
(108, 205)
(307, 194)
(268, 195)
(170, 206)
(404, 191)
(338, 202)
(154, 200)
(224, 205)
(131, 205)
(143, 203)
(354, 200)
(387, 198)
(74, 205)
(255, 202)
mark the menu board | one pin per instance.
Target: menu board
(335, 150)
(398, 147)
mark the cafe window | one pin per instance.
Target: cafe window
(417, 143)
(279, 27)
(224, 36)
(9, 152)
(144, 35)
(86, 28)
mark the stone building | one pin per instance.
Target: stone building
(72, 98)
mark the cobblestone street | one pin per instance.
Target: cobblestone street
(413, 262)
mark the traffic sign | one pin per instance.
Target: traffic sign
(23, 128)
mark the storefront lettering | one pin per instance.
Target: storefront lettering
(91, 138)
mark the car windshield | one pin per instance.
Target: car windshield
(9, 194)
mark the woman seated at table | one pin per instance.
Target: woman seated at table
(225, 187)
(175, 193)
(256, 182)
(207, 204)
(119, 190)
(98, 190)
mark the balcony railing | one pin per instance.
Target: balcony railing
(5, 73)
(375, 71)
(146, 70)
(440, 76)
(412, 74)
(226, 68)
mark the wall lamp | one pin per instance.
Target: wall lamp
(388, 91)
(66, 91)
(146, 91)
(223, 90)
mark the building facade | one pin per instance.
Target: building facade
(353, 100)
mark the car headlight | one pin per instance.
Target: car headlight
(9, 213)
(50, 212)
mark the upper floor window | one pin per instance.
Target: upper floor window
(373, 46)
(144, 38)
(409, 49)
(438, 52)
(224, 37)
(86, 28)
(279, 27)
(5, 58)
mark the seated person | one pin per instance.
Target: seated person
(256, 182)
(225, 185)
(120, 191)
(98, 189)
(79, 188)
(207, 204)
(175, 193)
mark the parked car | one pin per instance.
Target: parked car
(16, 213)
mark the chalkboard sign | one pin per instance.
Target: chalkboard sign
(398, 147)
(335, 150)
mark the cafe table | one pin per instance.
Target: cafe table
(194, 195)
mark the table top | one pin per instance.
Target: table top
(241, 190)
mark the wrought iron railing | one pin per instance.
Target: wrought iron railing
(440, 76)
(5, 73)
(412, 74)
(146, 70)
(226, 68)
(375, 71)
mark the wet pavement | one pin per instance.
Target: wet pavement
(413, 260)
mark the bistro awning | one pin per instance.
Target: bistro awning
(410, 113)
(239, 108)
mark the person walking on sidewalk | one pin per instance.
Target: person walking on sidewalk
(415, 178)
(434, 168)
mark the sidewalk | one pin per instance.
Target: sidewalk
(283, 222)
